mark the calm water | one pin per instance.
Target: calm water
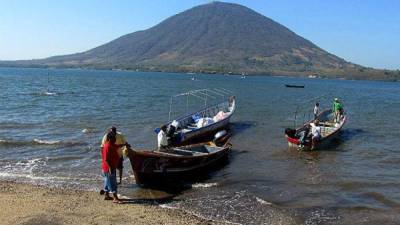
(53, 138)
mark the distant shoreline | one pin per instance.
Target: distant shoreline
(311, 75)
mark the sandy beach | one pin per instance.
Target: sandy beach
(29, 204)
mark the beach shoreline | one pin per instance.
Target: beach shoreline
(33, 204)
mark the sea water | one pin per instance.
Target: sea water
(52, 121)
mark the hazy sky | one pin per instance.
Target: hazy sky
(365, 32)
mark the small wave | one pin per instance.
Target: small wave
(204, 185)
(198, 215)
(262, 201)
(44, 142)
(5, 142)
(48, 93)
(35, 170)
(87, 130)
(36, 141)
(123, 197)
(50, 181)
(167, 206)
(13, 175)
(22, 169)
(382, 199)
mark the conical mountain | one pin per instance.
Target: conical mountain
(220, 37)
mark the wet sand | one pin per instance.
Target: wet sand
(29, 204)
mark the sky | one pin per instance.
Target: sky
(365, 32)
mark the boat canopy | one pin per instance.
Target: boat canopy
(207, 96)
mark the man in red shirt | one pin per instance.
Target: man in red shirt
(109, 163)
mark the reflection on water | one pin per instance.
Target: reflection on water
(54, 139)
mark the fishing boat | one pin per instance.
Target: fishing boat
(161, 166)
(294, 86)
(203, 124)
(329, 130)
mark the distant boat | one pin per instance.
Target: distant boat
(312, 76)
(193, 78)
(243, 76)
(294, 86)
(48, 93)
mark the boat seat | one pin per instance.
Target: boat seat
(186, 129)
(179, 151)
(185, 152)
(201, 149)
(168, 153)
(325, 131)
(211, 149)
(327, 124)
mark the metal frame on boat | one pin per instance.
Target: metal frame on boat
(187, 131)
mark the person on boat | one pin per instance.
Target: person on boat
(109, 162)
(231, 103)
(316, 110)
(162, 140)
(122, 144)
(340, 111)
(315, 133)
(303, 134)
(337, 110)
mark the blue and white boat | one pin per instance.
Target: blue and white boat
(203, 124)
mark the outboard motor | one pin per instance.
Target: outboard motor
(219, 137)
(170, 130)
(172, 127)
(290, 132)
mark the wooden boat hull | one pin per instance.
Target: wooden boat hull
(325, 141)
(153, 167)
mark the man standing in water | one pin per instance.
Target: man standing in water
(121, 143)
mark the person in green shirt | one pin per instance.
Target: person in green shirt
(337, 110)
